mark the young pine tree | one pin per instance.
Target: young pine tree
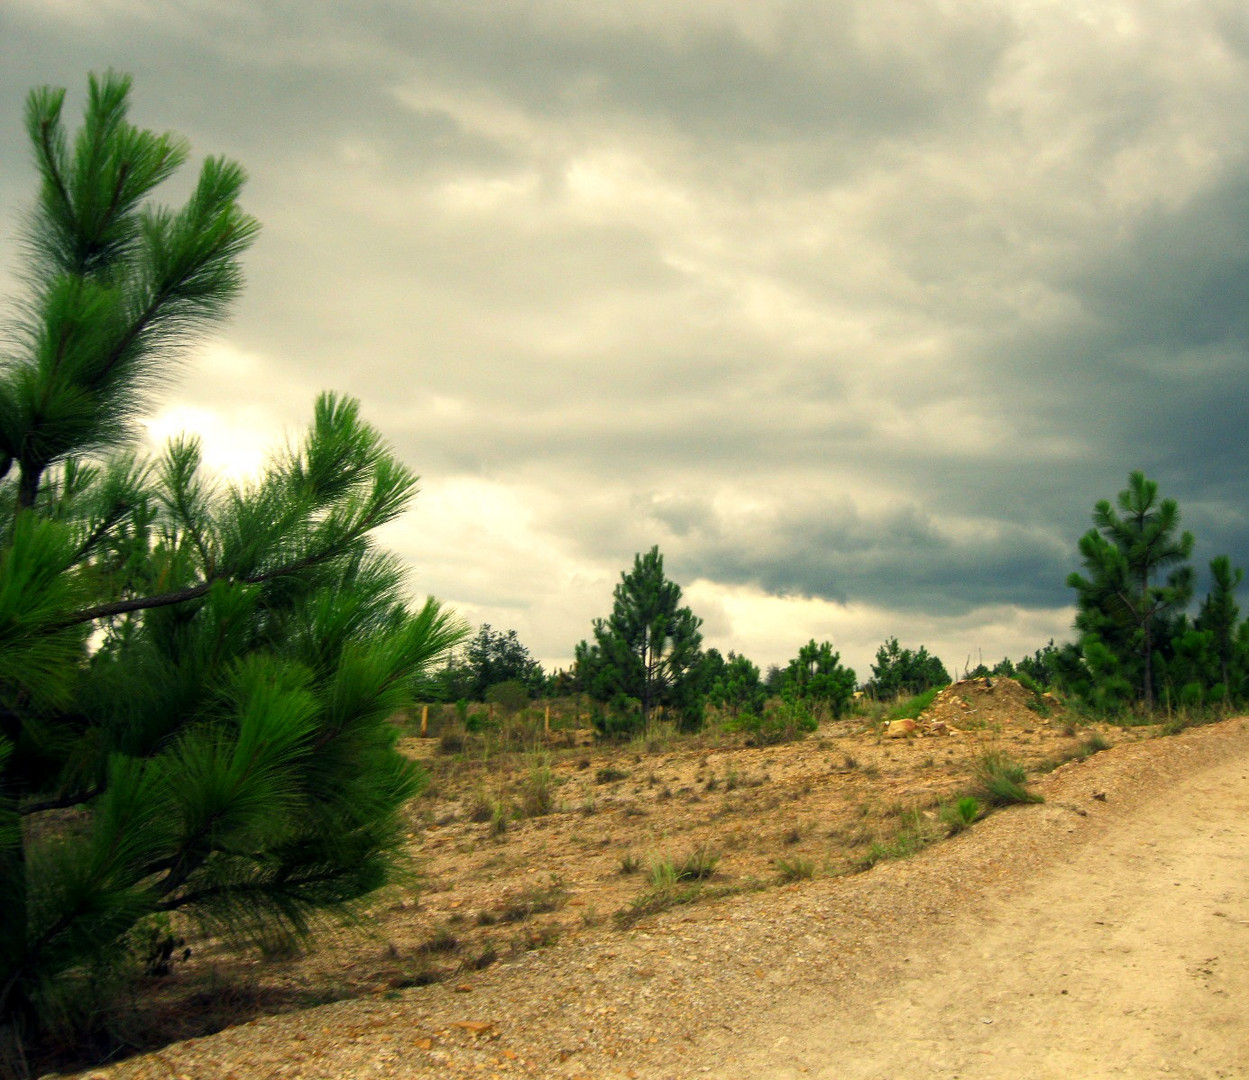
(1121, 604)
(817, 677)
(648, 648)
(1219, 615)
(195, 680)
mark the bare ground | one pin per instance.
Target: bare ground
(1095, 935)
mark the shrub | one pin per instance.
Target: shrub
(784, 722)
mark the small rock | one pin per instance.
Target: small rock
(474, 1027)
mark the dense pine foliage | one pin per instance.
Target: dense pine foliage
(195, 679)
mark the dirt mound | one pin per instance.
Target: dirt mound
(988, 702)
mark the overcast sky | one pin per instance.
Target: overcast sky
(854, 309)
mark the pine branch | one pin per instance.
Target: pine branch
(61, 803)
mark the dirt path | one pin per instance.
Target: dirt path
(1101, 934)
(1127, 961)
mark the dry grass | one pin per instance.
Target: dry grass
(521, 841)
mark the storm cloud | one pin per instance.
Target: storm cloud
(854, 309)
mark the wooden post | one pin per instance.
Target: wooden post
(424, 721)
(546, 722)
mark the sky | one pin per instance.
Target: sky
(855, 309)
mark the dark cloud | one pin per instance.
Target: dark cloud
(867, 303)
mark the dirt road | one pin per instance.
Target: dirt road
(1129, 960)
(1104, 933)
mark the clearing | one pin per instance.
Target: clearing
(1059, 935)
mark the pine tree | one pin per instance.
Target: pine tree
(1120, 604)
(648, 649)
(493, 657)
(905, 671)
(1219, 614)
(738, 687)
(816, 676)
(195, 680)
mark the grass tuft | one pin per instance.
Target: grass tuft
(797, 868)
(1001, 781)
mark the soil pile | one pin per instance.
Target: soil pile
(976, 704)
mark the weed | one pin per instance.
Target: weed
(609, 774)
(698, 865)
(797, 868)
(537, 900)
(483, 959)
(538, 795)
(482, 808)
(793, 836)
(630, 863)
(852, 762)
(1095, 744)
(903, 846)
(911, 708)
(957, 816)
(1001, 781)
(539, 937)
(665, 872)
(498, 819)
(442, 941)
(451, 742)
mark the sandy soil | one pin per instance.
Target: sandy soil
(1099, 934)
(1127, 960)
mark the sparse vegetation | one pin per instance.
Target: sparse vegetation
(1001, 781)
(961, 813)
(794, 868)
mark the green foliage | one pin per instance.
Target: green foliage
(1001, 781)
(793, 868)
(900, 671)
(538, 797)
(1218, 617)
(737, 686)
(960, 814)
(195, 681)
(647, 650)
(489, 659)
(784, 722)
(510, 696)
(816, 678)
(1120, 603)
(911, 838)
(912, 707)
